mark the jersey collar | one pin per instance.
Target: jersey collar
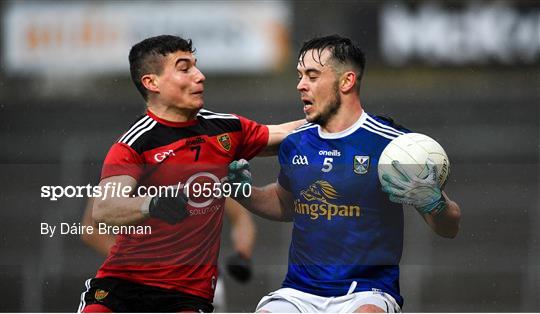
(345, 132)
(171, 123)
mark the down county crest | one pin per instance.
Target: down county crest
(100, 294)
(225, 141)
(361, 164)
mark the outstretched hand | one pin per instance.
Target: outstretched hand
(239, 173)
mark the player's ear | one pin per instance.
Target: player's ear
(347, 81)
(150, 82)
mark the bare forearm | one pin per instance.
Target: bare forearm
(102, 243)
(280, 131)
(446, 223)
(119, 211)
(243, 236)
(243, 228)
(276, 135)
(265, 202)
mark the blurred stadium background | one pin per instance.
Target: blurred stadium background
(464, 72)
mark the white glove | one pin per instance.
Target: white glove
(422, 193)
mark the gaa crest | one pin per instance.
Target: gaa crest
(361, 164)
(225, 141)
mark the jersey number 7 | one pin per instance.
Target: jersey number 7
(198, 149)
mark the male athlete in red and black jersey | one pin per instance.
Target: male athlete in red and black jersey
(176, 143)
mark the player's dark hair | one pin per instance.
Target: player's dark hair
(343, 51)
(146, 57)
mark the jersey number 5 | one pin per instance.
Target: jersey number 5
(327, 164)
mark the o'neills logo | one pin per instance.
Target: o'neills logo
(334, 153)
(319, 195)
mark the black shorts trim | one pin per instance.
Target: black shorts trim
(121, 295)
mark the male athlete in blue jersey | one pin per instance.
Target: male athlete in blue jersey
(347, 238)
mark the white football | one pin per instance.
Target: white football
(412, 151)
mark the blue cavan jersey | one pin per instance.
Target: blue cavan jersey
(345, 227)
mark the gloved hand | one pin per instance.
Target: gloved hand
(239, 267)
(170, 208)
(239, 173)
(422, 193)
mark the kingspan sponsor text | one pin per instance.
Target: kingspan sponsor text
(328, 211)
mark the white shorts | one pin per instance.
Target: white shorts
(220, 306)
(295, 301)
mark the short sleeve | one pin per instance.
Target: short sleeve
(254, 138)
(122, 160)
(283, 156)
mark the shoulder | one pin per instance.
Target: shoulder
(138, 133)
(383, 127)
(389, 121)
(297, 136)
(302, 130)
(211, 115)
(221, 122)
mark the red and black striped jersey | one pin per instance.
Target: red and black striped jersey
(157, 153)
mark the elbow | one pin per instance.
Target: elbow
(456, 218)
(450, 234)
(454, 232)
(86, 238)
(286, 218)
(452, 227)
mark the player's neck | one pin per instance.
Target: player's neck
(172, 114)
(346, 116)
